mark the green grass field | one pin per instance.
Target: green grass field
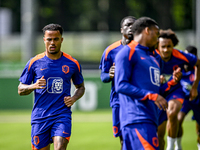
(90, 131)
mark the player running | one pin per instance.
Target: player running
(107, 66)
(170, 59)
(194, 105)
(137, 80)
(49, 75)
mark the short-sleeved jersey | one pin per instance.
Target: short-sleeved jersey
(107, 60)
(186, 83)
(137, 80)
(49, 102)
(178, 59)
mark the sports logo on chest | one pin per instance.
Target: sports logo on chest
(65, 69)
(55, 85)
(155, 75)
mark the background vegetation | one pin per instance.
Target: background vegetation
(105, 15)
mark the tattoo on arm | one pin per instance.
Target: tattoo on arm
(24, 89)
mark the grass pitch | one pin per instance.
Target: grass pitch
(90, 131)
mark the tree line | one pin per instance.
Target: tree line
(105, 15)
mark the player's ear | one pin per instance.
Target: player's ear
(146, 30)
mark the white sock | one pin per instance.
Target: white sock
(198, 145)
(170, 143)
(178, 144)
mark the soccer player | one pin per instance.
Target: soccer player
(194, 105)
(137, 80)
(49, 75)
(171, 58)
(108, 69)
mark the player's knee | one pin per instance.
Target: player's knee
(172, 114)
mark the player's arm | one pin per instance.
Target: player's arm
(107, 77)
(78, 93)
(193, 91)
(25, 89)
(173, 80)
(123, 85)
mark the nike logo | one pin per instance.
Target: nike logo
(43, 69)
(142, 58)
(65, 132)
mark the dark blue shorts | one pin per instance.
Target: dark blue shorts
(42, 133)
(116, 122)
(194, 106)
(141, 136)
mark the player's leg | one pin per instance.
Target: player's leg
(161, 135)
(116, 123)
(174, 107)
(40, 135)
(181, 117)
(60, 143)
(61, 132)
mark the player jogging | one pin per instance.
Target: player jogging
(194, 105)
(137, 80)
(170, 59)
(108, 69)
(49, 75)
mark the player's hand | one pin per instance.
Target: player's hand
(162, 79)
(193, 94)
(69, 101)
(40, 83)
(112, 71)
(161, 103)
(177, 74)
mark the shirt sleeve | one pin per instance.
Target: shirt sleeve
(77, 77)
(27, 74)
(123, 71)
(167, 86)
(105, 65)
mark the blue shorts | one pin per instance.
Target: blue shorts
(141, 136)
(177, 94)
(162, 116)
(116, 122)
(194, 106)
(42, 133)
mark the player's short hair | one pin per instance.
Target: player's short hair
(191, 49)
(127, 17)
(169, 34)
(141, 23)
(53, 27)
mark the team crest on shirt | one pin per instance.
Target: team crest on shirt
(55, 85)
(175, 67)
(65, 69)
(155, 75)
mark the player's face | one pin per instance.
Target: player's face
(153, 36)
(126, 29)
(52, 40)
(165, 46)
